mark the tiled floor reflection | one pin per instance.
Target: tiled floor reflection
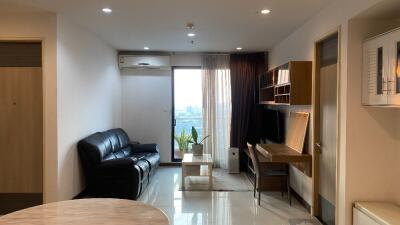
(216, 208)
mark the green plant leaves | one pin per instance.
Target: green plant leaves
(183, 140)
(195, 135)
(204, 139)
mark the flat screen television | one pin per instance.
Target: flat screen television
(273, 125)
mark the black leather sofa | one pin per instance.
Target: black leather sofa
(114, 167)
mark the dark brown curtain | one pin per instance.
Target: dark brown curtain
(245, 69)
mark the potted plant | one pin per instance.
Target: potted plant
(197, 147)
(183, 141)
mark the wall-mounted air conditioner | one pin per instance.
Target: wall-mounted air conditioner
(145, 62)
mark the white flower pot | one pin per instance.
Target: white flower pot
(197, 150)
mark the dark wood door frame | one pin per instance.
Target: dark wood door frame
(316, 122)
(16, 201)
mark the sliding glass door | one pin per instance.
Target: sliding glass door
(187, 107)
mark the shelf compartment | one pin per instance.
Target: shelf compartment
(266, 95)
(292, 88)
(267, 80)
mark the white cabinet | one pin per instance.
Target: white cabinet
(375, 65)
(376, 213)
(394, 70)
(360, 218)
(381, 70)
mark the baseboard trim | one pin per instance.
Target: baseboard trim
(171, 164)
(11, 202)
(82, 194)
(300, 199)
(326, 212)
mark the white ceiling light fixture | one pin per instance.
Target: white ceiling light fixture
(239, 48)
(190, 27)
(106, 10)
(265, 11)
(146, 48)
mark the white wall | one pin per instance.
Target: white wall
(89, 97)
(146, 108)
(362, 131)
(41, 26)
(397, 156)
(372, 148)
(147, 104)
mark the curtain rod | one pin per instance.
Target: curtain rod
(200, 53)
(176, 53)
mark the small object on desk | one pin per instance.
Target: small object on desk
(88, 212)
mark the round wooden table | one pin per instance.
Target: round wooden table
(88, 212)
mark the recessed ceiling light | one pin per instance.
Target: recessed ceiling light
(146, 48)
(239, 48)
(191, 34)
(265, 11)
(106, 10)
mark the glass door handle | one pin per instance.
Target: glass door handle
(174, 122)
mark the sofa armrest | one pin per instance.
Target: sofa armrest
(117, 168)
(151, 148)
(118, 178)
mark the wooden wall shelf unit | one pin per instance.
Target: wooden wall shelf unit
(288, 84)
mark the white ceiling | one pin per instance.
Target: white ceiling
(220, 25)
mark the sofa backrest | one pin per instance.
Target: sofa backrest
(100, 146)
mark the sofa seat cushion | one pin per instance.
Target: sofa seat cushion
(140, 155)
(144, 169)
(154, 160)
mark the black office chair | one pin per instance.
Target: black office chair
(260, 173)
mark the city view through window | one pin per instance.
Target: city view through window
(187, 104)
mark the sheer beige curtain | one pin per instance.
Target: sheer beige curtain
(217, 107)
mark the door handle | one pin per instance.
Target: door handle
(318, 147)
(174, 122)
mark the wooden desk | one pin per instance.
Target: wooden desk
(268, 183)
(283, 154)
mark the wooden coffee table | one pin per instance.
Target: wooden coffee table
(88, 212)
(191, 166)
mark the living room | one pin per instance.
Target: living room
(90, 79)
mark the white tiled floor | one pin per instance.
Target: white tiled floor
(216, 208)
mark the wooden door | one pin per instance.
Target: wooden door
(325, 130)
(21, 130)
